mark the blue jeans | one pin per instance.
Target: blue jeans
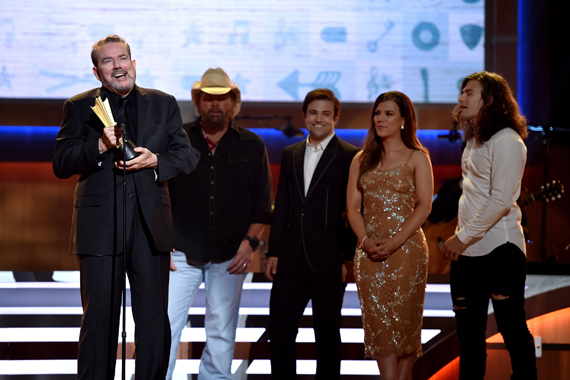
(223, 295)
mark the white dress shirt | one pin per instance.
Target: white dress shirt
(488, 212)
(312, 156)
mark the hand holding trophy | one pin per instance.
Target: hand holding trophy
(126, 150)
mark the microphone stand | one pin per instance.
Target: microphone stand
(547, 132)
(453, 134)
(122, 122)
(125, 152)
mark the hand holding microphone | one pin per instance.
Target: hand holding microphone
(126, 150)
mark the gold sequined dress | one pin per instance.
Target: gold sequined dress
(391, 292)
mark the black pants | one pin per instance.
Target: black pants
(101, 285)
(290, 294)
(473, 280)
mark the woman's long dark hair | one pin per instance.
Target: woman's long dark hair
(498, 111)
(373, 151)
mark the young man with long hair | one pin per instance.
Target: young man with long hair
(488, 248)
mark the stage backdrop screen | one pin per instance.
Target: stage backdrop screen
(275, 50)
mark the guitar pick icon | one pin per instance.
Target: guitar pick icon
(471, 34)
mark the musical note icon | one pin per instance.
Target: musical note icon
(284, 35)
(241, 30)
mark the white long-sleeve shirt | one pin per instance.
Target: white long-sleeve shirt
(488, 213)
(313, 154)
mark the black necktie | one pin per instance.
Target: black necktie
(125, 110)
(122, 103)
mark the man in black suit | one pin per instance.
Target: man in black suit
(310, 239)
(85, 147)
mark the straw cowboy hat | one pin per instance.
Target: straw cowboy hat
(216, 82)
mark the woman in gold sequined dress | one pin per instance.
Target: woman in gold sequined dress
(392, 179)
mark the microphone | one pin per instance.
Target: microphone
(122, 123)
(125, 151)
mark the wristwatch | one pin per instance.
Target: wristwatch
(253, 242)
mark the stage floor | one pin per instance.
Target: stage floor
(39, 327)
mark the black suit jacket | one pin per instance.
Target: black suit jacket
(97, 215)
(316, 222)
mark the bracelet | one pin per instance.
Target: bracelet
(253, 242)
(362, 242)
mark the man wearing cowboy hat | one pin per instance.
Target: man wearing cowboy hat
(219, 212)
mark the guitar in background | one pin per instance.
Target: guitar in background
(441, 223)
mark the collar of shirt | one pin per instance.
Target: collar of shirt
(198, 141)
(320, 146)
(313, 155)
(114, 98)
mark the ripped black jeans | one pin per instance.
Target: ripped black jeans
(475, 280)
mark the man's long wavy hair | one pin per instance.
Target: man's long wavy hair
(374, 150)
(498, 111)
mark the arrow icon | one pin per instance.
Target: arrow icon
(325, 79)
(65, 80)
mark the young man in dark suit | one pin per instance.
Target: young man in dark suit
(310, 239)
(86, 148)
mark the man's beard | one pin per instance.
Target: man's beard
(123, 89)
(217, 122)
